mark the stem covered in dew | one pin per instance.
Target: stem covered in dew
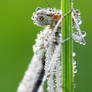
(67, 48)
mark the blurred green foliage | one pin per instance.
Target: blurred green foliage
(17, 36)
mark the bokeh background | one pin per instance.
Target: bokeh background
(17, 36)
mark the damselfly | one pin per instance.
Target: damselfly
(45, 64)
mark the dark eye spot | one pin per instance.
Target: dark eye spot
(37, 9)
(41, 18)
(48, 14)
(32, 17)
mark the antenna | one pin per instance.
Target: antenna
(47, 3)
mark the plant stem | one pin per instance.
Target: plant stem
(67, 48)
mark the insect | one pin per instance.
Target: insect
(45, 63)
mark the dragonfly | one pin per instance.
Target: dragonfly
(46, 62)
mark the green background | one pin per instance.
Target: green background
(18, 33)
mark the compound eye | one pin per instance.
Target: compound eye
(38, 8)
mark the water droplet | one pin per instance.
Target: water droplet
(74, 54)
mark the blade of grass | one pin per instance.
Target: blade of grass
(67, 48)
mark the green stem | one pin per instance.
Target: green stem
(67, 64)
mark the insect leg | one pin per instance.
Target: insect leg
(79, 38)
(79, 35)
(76, 37)
(66, 39)
(68, 12)
(60, 20)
